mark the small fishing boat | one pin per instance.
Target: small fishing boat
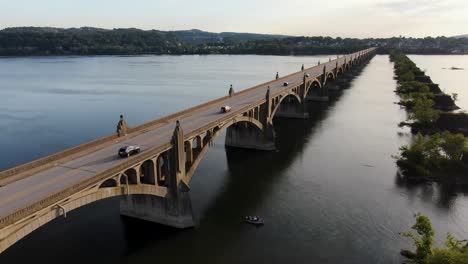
(254, 220)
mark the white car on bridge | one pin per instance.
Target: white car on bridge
(225, 109)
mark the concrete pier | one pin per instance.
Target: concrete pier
(292, 111)
(172, 211)
(318, 98)
(246, 136)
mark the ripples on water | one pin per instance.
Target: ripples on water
(329, 195)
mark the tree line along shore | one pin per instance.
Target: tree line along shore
(44, 41)
(439, 151)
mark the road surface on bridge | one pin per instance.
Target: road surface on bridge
(23, 192)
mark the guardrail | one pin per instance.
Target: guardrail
(58, 196)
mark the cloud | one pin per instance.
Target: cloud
(418, 6)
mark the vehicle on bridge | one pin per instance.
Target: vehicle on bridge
(285, 83)
(127, 151)
(225, 109)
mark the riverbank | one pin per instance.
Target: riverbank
(442, 154)
(429, 108)
(46, 41)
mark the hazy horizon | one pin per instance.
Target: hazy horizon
(219, 32)
(355, 19)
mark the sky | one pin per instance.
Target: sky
(335, 18)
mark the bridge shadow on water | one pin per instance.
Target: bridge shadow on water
(94, 233)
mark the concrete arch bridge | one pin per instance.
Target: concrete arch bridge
(154, 184)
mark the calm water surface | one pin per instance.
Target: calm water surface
(450, 81)
(329, 195)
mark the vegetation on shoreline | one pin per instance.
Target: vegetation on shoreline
(420, 96)
(31, 41)
(456, 251)
(440, 155)
(428, 156)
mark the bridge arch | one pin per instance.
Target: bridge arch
(247, 121)
(100, 191)
(329, 77)
(109, 183)
(340, 71)
(147, 172)
(131, 175)
(283, 102)
(162, 168)
(314, 87)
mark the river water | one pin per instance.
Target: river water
(450, 81)
(330, 193)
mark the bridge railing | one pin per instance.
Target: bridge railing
(54, 198)
(261, 101)
(132, 132)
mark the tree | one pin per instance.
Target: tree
(422, 239)
(423, 112)
(453, 146)
(455, 253)
(406, 77)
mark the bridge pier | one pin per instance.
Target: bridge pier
(318, 96)
(171, 211)
(243, 135)
(334, 87)
(176, 208)
(287, 110)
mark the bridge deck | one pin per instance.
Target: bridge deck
(23, 192)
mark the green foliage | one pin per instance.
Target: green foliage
(430, 154)
(422, 93)
(447, 256)
(423, 240)
(416, 95)
(87, 41)
(453, 146)
(423, 111)
(95, 41)
(406, 77)
(411, 87)
(455, 253)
